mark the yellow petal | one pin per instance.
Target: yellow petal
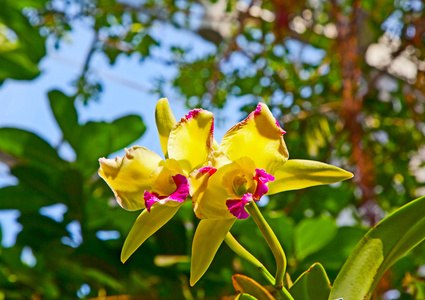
(219, 159)
(146, 224)
(128, 176)
(161, 178)
(258, 137)
(191, 139)
(210, 203)
(165, 121)
(198, 180)
(298, 174)
(208, 237)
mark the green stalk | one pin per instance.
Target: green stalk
(242, 252)
(272, 241)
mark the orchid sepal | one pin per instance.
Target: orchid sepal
(165, 122)
(298, 174)
(208, 237)
(146, 224)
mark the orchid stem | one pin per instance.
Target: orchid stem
(272, 241)
(245, 254)
(242, 252)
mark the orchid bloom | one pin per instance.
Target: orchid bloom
(250, 162)
(142, 179)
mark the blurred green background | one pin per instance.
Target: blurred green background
(80, 79)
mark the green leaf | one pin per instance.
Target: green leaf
(245, 297)
(65, 114)
(313, 234)
(40, 183)
(383, 245)
(19, 54)
(209, 235)
(336, 252)
(125, 131)
(39, 231)
(146, 224)
(29, 148)
(145, 45)
(246, 285)
(22, 198)
(298, 174)
(313, 284)
(99, 139)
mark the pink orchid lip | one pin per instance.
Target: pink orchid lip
(237, 206)
(207, 170)
(179, 195)
(262, 178)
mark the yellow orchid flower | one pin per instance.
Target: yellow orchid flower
(251, 161)
(142, 179)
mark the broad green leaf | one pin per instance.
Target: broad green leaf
(94, 142)
(341, 247)
(383, 245)
(39, 231)
(125, 131)
(21, 51)
(99, 139)
(29, 148)
(246, 285)
(165, 121)
(39, 182)
(146, 224)
(27, 3)
(313, 234)
(65, 114)
(313, 284)
(22, 198)
(209, 235)
(297, 174)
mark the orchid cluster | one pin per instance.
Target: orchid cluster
(221, 180)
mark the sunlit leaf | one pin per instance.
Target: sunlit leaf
(313, 234)
(313, 284)
(383, 245)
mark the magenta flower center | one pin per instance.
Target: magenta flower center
(237, 206)
(179, 195)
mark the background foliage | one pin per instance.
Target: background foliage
(346, 79)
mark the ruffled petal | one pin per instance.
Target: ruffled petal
(231, 181)
(128, 176)
(191, 139)
(237, 206)
(146, 224)
(198, 180)
(178, 196)
(298, 174)
(262, 179)
(210, 203)
(165, 121)
(218, 159)
(259, 137)
(208, 237)
(162, 182)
